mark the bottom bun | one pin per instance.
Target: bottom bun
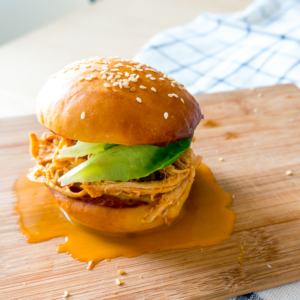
(104, 218)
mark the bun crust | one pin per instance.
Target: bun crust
(77, 103)
(106, 219)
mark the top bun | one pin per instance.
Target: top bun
(112, 100)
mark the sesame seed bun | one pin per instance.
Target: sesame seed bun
(86, 102)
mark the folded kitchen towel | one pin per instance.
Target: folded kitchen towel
(258, 46)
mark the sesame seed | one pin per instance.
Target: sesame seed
(137, 76)
(93, 76)
(113, 80)
(132, 89)
(110, 77)
(120, 85)
(102, 72)
(76, 68)
(161, 78)
(120, 73)
(153, 89)
(133, 69)
(148, 75)
(118, 76)
(170, 78)
(142, 87)
(81, 78)
(106, 85)
(114, 70)
(289, 172)
(92, 69)
(166, 115)
(152, 78)
(133, 79)
(139, 69)
(104, 76)
(82, 115)
(175, 95)
(126, 74)
(172, 84)
(170, 95)
(88, 66)
(165, 76)
(115, 83)
(88, 78)
(119, 282)
(139, 99)
(182, 100)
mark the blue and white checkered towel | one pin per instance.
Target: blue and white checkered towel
(259, 46)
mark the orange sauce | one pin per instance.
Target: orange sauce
(206, 222)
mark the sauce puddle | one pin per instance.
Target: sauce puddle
(206, 222)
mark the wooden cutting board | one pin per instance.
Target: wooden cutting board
(257, 132)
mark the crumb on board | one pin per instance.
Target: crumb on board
(269, 266)
(108, 259)
(288, 172)
(221, 159)
(24, 284)
(119, 282)
(169, 276)
(291, 119)
(66, 294)
(115, 293)
(141, 276)
(233, 196)
(121, 272)
(259, 95)
(90, 265)
(255, 110)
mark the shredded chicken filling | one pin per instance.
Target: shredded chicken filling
(163, 189)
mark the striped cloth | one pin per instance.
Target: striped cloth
(258, 46)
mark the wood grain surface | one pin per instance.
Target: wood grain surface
(257, 133)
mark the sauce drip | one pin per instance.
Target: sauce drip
(206, 222)
(210, 123)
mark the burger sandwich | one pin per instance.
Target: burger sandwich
(117, 155)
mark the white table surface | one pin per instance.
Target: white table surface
(106, 28)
